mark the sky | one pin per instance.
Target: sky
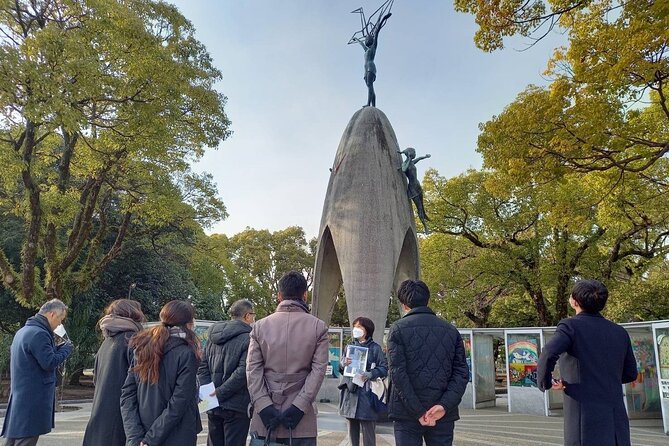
(293, 84)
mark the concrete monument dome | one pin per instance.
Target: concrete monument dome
(367, 237)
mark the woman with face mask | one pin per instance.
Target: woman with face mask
(355, 402)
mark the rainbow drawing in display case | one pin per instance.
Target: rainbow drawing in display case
(643, 396)
(523, 357)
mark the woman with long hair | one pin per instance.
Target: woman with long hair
(356, 401)
(159, 397)
(121, 321)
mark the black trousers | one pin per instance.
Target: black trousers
(26, 441)
(227, 428)
(412, 433)
(306, 441)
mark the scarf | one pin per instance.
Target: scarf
(112, 324)
(177, 332)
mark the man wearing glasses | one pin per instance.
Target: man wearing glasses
(224, 364)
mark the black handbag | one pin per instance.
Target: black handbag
(257, 441)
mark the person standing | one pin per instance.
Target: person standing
(34, 358)
(159, 396)
(428, 371)
(224, 364)
(597, 359)
(122, 320)
(285, 367)
(355, 404)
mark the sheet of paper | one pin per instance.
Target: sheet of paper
(358, 381)
(208, 402)
(60, 331)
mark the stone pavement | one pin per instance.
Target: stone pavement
(484, 427)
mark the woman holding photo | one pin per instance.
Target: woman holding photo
(355, 402)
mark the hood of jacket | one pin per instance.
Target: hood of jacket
(222, 332)
(39, 320)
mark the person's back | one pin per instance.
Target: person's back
(227, 345)
(159, 397)
(122, 320)
(596, 358)
(224, 365)
(286, 363)
(431, 345)
(428, 371)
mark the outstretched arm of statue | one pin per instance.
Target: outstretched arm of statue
(421, 158)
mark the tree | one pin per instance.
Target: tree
(103, 105)
(608, 102)
(254, 260)
(518, 237)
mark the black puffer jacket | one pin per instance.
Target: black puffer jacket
(427, 366)
(165, 413)
(224, 364)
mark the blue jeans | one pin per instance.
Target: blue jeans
(412, 433)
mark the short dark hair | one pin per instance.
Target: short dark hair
(413, 293)
(591, 295)
(293, 285)
(366, 323)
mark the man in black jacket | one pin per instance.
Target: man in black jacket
(597, 358)
(224, 364)
(428, 371)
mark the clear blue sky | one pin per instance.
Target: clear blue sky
(293, 83)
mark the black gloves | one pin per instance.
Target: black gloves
(270, 416)
(291, 417)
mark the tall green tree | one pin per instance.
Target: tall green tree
(103, 106)
(254, 260)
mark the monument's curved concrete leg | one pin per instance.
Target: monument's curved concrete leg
(367, 228)
(327, 287)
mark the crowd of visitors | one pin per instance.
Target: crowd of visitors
(265, 375)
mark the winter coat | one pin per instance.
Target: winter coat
(112, 361)
(288, 355)
(354, 402)
(165, 413)
(34, 358)
(224, 364)
(427, 366)
(597, 358)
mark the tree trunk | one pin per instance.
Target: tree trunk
(542, 310)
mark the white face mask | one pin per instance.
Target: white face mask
(358, 333)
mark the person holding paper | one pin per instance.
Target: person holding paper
(159, 397)
(122, 320)
(428, 371)
(224, 365)
(355, 402)
(34, 360)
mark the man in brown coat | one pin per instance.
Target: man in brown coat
(285, 367)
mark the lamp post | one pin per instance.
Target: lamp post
(130, 288)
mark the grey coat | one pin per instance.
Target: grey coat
(354, 401)
(597, 358)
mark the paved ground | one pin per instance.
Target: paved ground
(485, 427)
